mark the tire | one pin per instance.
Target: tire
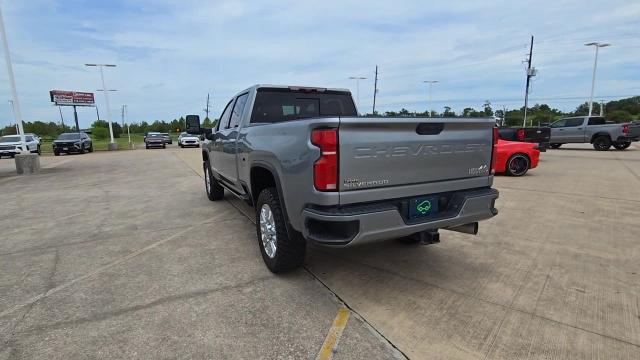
(180, 145)
(147, 146)
(517, 165)
(39, 152)
(555, 146)
(164, 146)
(56, 153)
(91, 148)
(602, 143)
(81, 149)
(215, 191)
(621, 145)
(285, 250)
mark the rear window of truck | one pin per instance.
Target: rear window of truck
(276, 105)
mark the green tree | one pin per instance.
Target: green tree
(100, 133)
(619, 116)
(486, 108)
(448, 112)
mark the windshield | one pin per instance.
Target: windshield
(275, 105)
(69, 136)
(6, 139)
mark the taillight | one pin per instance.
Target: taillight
(494, 151)
(520, 135)
(325, 169)
(625, 129)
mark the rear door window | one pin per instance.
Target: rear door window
(276, 105)
(238, 110)
(597, 121)
(223, 123)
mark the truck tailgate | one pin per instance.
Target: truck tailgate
(393, 152)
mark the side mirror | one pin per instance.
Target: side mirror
(193, 124)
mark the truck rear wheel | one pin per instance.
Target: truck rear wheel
(602, 143)
(555, 146)
(281, 250)
(215, 191)
(621, 145)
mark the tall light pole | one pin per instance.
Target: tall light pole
(97, 112)
(430, 83)
(14, 116)
(112, 144)
(357, 79)
(595, 66)
(12, 84)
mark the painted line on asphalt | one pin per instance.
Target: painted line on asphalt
(98, 271)
(330, 345)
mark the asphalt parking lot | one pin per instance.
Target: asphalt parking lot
(121, 255)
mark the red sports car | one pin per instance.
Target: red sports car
(516, 158)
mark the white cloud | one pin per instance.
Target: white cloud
(170, 53)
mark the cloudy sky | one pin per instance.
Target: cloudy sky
(170, 54)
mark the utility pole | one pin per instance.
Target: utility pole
(124, 108)
(530, 73)
(375, 91)
(504, 115)
(601, 108)
(595, 66)
(206, 109)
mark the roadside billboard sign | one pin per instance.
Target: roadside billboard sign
(72, 98)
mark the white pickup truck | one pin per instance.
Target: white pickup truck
(593, 130)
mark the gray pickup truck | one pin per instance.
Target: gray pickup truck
(593, 130)
(315, 171)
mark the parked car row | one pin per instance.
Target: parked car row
(593, 130)
(157, 139)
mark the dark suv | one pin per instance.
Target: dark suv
(72, 142)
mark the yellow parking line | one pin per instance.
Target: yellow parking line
(334, 334)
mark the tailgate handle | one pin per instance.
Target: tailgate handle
(429, 128)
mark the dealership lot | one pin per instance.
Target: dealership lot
(121, 255)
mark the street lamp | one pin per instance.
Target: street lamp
(430, 82)
(595, 65)
(357, 79)
(112, 144)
